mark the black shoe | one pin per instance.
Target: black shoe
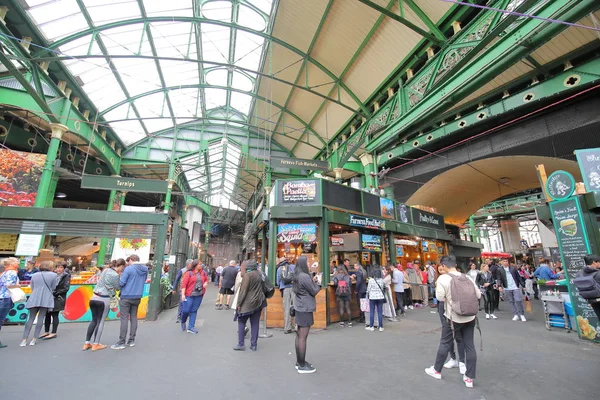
(307, 363)
(253, 348)
(288, 331)
(2, 345)
(306, 369)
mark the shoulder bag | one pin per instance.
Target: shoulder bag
(382, 292)
(17, 295)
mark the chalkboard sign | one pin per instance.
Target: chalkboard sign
(574, 245)
(589, 164)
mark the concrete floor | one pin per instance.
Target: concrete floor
(520, 360)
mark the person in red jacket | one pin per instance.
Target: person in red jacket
(193, 287)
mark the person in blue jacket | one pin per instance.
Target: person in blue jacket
(545, 272)
(132, 283)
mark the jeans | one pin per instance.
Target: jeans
(254, 322)
(190, 308)
(399, 296)
(129, 309)
(432, 292)
(465, 332)
(288, 301)
(5, 306)
(379, 305)
(459, 341)
(41, 314)
(515, 298)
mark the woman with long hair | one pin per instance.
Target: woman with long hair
(250, 302)
(41, 300)
(485, 281)
(105, 289)
(305, 289)
(9, 279)
(389, 311)
(376, 295)
(343, 289)
(60, 299)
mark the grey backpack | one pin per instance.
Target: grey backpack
(464, 296)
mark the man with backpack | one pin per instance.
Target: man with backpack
(461, 298)
(588, 282)
(285, 276)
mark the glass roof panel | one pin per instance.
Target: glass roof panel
(104, 13)
(217, 10)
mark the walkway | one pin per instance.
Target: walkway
(520, 360)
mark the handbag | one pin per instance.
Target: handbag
(292, 311)
(114, 302)
(268, 288)
(17, 295)
(364, 305)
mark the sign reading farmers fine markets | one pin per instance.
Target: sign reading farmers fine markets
(124, 184)
(299, 163)
(300, 192)
(366, 222)
(589, 164)
(427, 219)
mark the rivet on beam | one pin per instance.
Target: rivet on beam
(103, 134)
(456, 27)
(480, 106)
(352, 129)
(44, 66)
(506, 94)
(68, 92)
(62, 85)
(112, 144)
(86, 114)
(457, 117)
(409, 73)
(3, 11)
(568, 65)
(363, 120)
(75, 102)
(430, 53)
(119, 151)
(376, 106)
(390, 92)
(344, 138)
(534, 81)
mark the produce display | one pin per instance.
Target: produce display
(19, 177)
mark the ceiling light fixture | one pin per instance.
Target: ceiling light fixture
(60, 195)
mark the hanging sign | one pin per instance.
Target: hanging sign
(299, 192)
(28, 245)
(387, 208)
(370, 242)
(560, 185)
(574, 245)
(296, 233)
(589, 164)
(299, 163)
(427, 219)
(366, 222)
(337, 241)
(123, 184)
(406, 242)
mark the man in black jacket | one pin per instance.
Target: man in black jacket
(495, 290)
(510, 282)
(592, 267)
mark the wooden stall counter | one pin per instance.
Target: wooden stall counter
(334, 316)
(275, 311)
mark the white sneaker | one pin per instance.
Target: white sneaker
(487, 316)
(523, 318)
(493, 316)
(462, 368)
(370, 328)
(468, 381)
(381, 329)
(433, 373)
(451, 363)
(516, 318)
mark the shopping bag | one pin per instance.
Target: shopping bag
(364, 305)
(17, 295)
(528, 308)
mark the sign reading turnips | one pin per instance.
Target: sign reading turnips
(366, 222)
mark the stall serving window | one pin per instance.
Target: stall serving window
(411, 248)
(298, 239)
(355, 245)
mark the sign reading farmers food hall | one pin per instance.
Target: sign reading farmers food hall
(296, 233)
(427, 219)
(573, 243)
(560, 185)
(370, 242)
(589, 164)
(300, 192)
(366, 222)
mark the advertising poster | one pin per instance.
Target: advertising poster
(370, 242)
(126, 246)
(387, 208)
(299, 192)
(403, 213)
(296, 233)
(19, 177)
(574, 245)
(337, 241)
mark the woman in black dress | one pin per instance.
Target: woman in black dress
(60, 299)
(305, 289)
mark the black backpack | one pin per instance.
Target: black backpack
(587, 286)
(287, 275)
